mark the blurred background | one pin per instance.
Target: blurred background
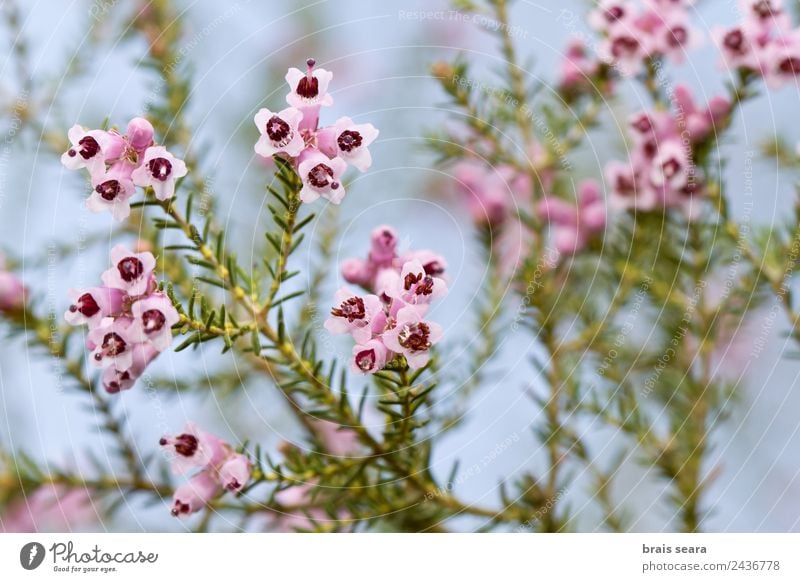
(380, 53)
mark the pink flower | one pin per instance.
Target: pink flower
(235, 472)
(309, 89)
(383, 246)
(675, 37)
(348, 141)
(576, 66)
(416, 287)
(112, 343)
(12, 292)
(357, 315)
(626, 190)
(112, 190)
(782, 60)
(159, 169)
(91, 306)
(280, 132)
(139, 134)
(89, 149)
(433, 263)
(610, 13)
(369, 357)
(321, 177)
(193, 449)
(573, 226)
(765, 14)
(624, 49)
(115, 380)
(356, 272)
(413, 337)
(193, 496)
(738, 48)
(671, 166)
(153, 318)
(131, 272)
(698, 122)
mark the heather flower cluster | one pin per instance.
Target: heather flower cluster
(216, 467)
(634, 33)
(763, 43)
(117, 164)
(129, 320)
(661, 172)
(320, 155)
(389, 319)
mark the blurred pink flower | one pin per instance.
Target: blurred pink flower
(489, 192)
(573, 225)
(338, 440)
(50, 508)
(12, 292)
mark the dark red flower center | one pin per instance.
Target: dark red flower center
(109, 189)
(349, 140)
(678, 36)
(321, 176)
(433, 268)
(113, 345)
(365, 360)
(415, 337)
(624, 185)
(624, 45)
(425, 287)
(180, 508)
(764, 9)
(692, 188)
(88, 147)
(614, 13)
(350, 309)
(411, 279)
(734, 41)
(116, 385)
(790, 66)
(671, 167)
(277, 129)
(185, 444)
(308, 87)
(153, 320)
(86, 305)
(643, 124)
(160, 168)
(130, 269)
